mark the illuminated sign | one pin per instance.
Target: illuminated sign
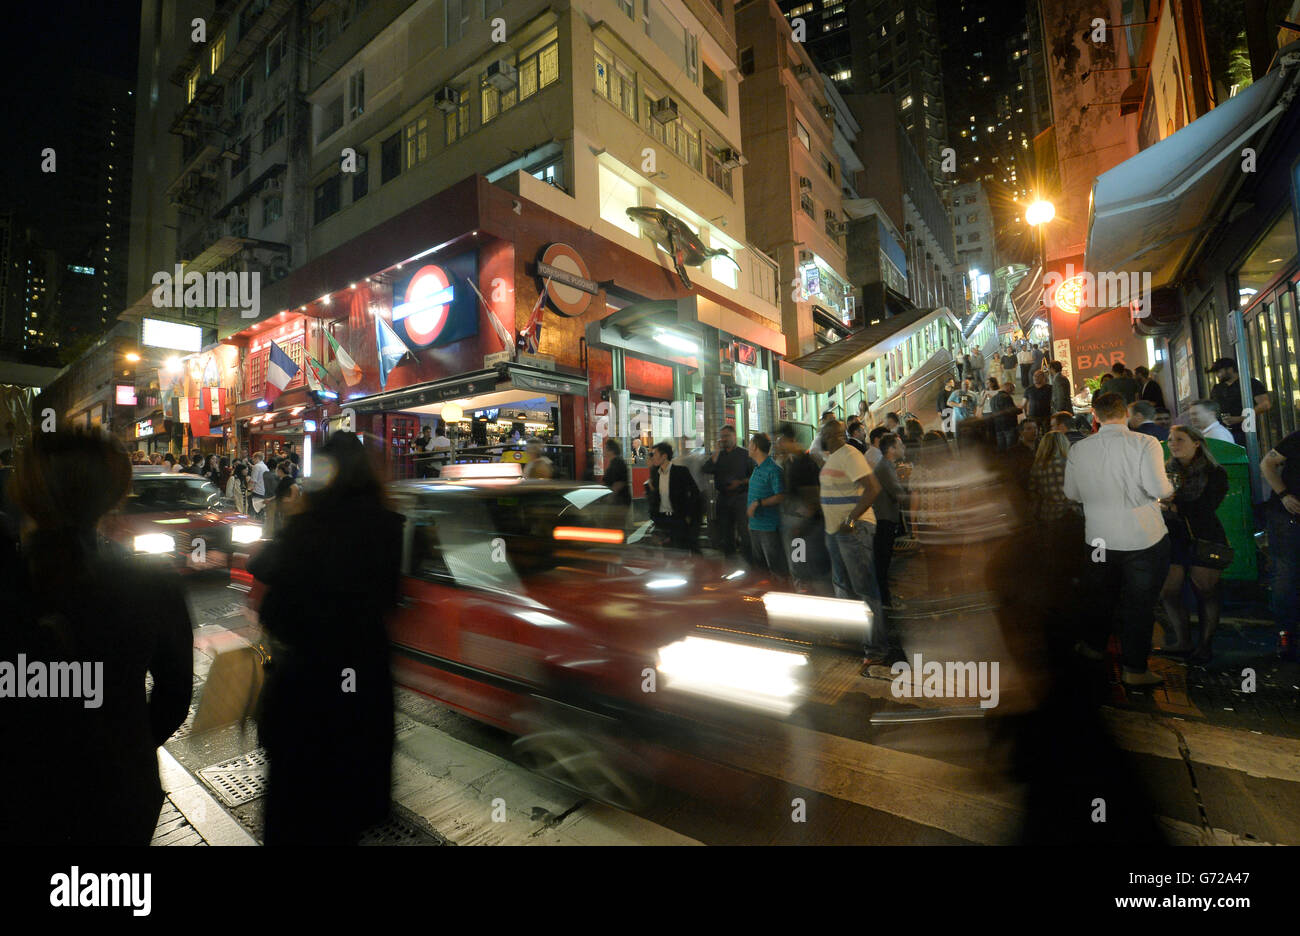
(144, 428)
(430, 308)
(752, 377)
(1070, 295)
(125, 395)
(155, 333)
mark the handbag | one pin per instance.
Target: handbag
(1208, 553)
(231, 691)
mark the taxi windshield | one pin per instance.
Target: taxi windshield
(156, 495)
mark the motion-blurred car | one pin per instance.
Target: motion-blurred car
(526, 606)
(181, 521)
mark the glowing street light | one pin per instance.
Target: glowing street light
(1040, 212)
(133, 357)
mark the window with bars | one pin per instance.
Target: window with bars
(806, 203)
(717, 175)
(417, 140)
(456, 123)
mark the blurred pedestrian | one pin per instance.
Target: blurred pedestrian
(237, 488)
(1281, 471)
(857, 433)
(1026, 361)
(1005, 412)
(72, 603)
(801, 514)
(888, 507)
(1149, 388)
(539, 467)
(1204, 417)
(1038, 401)
(1062, 393)
(1142, 418)
(731, 467)
(326, 713)
(617, 478)
(1200, 485)
(1119, 477)
(764, 495)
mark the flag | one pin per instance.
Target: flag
(500, 329)
(199, 424)
(183, 403)
(316, 375)
(280, 369)
(391, 349)
(351, 373)
(531, 334)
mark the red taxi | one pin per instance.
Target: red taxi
(181, 521)
(526, 606)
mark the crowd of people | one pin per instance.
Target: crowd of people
(268, 488)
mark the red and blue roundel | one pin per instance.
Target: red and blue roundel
(425, 305)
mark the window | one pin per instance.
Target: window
(328, 195)
(321, 35)
(331, 118)
(898, 18)
(361, 178)
(218, 54)
(457, 19)
(905, 103)
(715, 89)
(356, 95)
(273, 128)
(747, 61)
(244, 93)
(390, 158)
(417, 141)
(191, 86)
(806, 203)
(492, 101)
(958, 240)
(539, 64)
(970, 199)
(272, 208)
(456, 124)
(491, 6)
(552, 174)
(717, 175)
(615, 81)
(828, 167)
(275, 50)
(802, 133)
(628, 7)
(240, 162)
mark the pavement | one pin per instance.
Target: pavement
(857, 766)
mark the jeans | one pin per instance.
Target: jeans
(766, 548)
(886, 532)
(807, 557)
(854, 576)
(1284, 553)
(1123, 591)
(1024, 375)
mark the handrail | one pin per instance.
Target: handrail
(912, 378)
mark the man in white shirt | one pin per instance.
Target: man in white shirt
(1204, 415)
(257, 473)
(1119, 477)
(1026, 361)
(848, 488)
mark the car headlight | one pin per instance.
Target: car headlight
(817, 612)
(753, 677)
(154, 543)
(245, 533)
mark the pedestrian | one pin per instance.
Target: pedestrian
(964, 368)
(257, 485)
(674, 499)
(1026, 361)
(169, 461)
(1123, 383)
(237, 488)
(941, 405)
(617, 478)
(801, 514)
(764, 496)
(1204, 417)
(1008, 362)
(888, 507)
(873, 446)
(913, 432)
(326, 712)
(1142, 418)
(962, 402)
(1047, 501)
(1037, 363)
(1038, 401)
(986, 396)
(156, 458)
(1281, 471)
(1227, 394)
(857, 435)
(1020, 457)
(1005, 414)
(977, 367)
(1062, 394)
(539, 467)
(848, 489)
(1119, 477)
(1149, 388)
(1200, 485)
(731, 468)
(73, 603)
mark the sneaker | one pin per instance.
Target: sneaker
(1087, 652)
(1147, 678)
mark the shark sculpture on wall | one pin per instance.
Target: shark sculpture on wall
(677, 240)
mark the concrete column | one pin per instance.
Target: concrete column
(711, 385)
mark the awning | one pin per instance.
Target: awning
(827, 367)
(499, 378)
(1027, 297)
(1150, 213)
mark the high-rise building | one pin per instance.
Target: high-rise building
(887, 47)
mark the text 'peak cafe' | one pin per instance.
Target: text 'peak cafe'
(504, 322)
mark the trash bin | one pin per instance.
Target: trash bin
(1235, 512)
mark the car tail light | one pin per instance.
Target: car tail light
(588, 535)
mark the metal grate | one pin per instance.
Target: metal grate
(187, 726)
(240, 780)
(400, 830)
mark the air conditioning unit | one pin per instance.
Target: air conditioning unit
(502, 75)
(805, 182)
(731, 159)
(805, 256)
(664, 110)
(835, 228)
(447, 100)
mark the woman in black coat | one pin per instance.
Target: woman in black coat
(326, 710)
(69, 597)
(1200, 485)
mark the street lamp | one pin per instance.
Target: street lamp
(133, 357)
(1040, 212)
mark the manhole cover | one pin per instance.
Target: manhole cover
(238, 781)
(187, 726)
(399, 830)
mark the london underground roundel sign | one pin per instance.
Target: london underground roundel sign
(425, 305)
(571, 288)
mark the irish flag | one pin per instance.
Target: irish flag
(280, 369)
(351, 372)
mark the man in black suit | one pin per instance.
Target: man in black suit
(679, 512)
(1142, 418)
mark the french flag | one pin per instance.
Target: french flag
(280, 369)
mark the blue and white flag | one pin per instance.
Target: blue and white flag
(280, 369)
(391, 348)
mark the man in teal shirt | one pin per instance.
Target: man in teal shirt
(766, 491)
